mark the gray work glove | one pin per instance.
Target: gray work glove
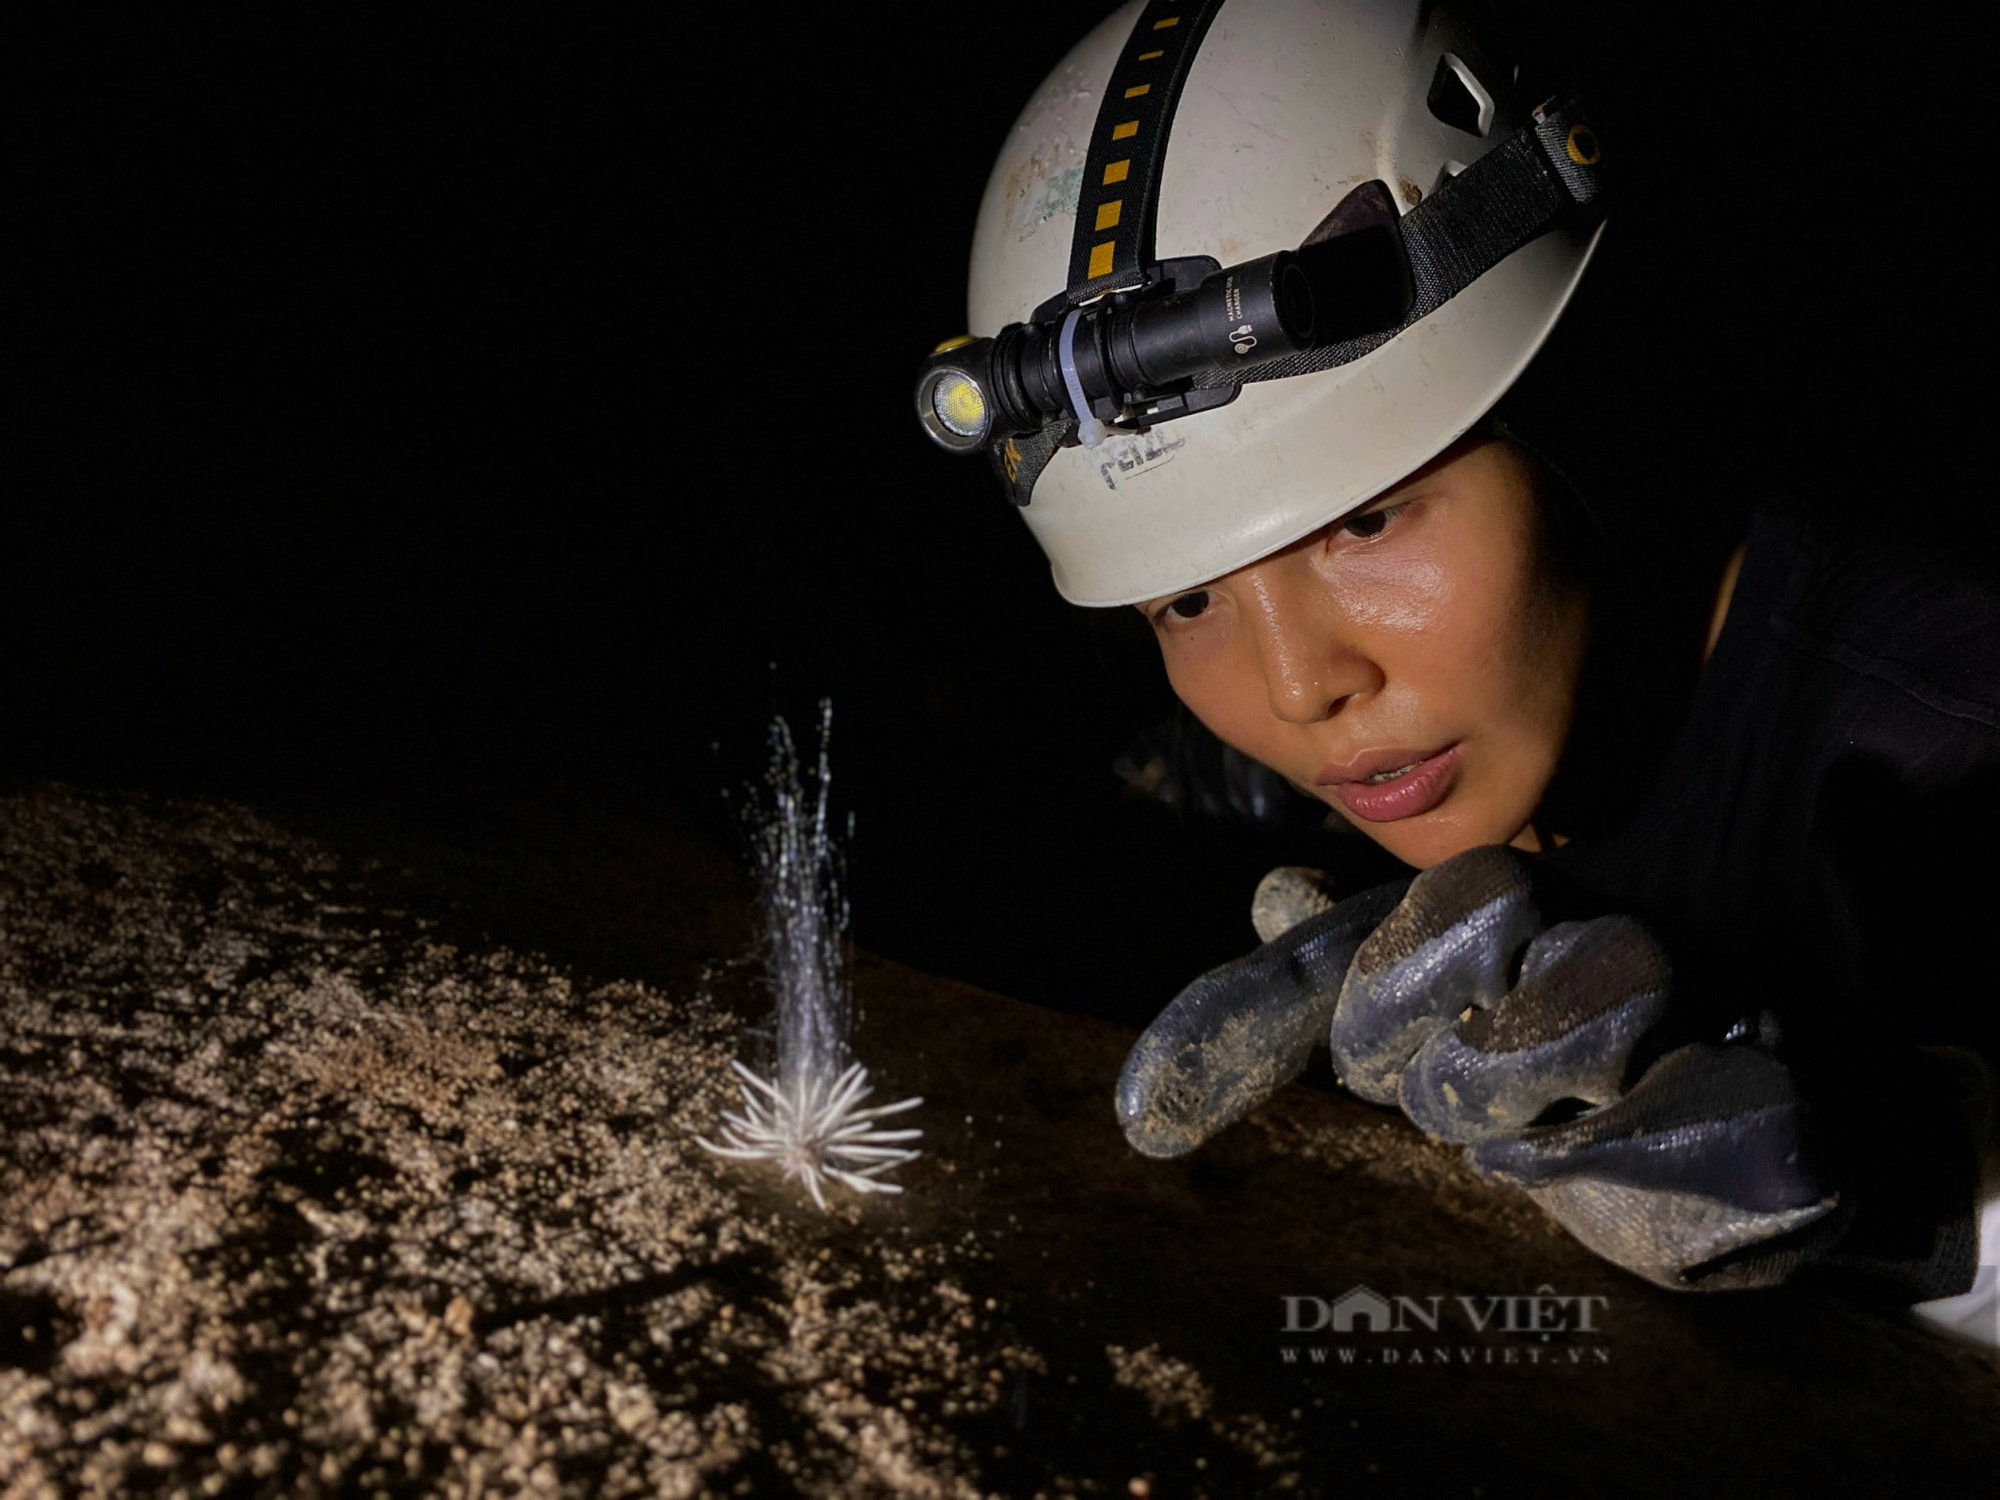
(1448, 996)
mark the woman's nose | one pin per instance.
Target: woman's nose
(1311, 666)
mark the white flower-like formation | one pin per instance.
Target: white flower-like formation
(817, 1132)
(810, 1119)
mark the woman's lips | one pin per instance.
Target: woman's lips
(1422, 787)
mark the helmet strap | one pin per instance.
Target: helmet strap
(1119, 201)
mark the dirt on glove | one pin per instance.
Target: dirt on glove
(348, 1151)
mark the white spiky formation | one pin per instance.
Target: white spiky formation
(809, 1118)
(818, 1132)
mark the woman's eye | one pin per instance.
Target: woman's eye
(1369, 522)
(1187, 607)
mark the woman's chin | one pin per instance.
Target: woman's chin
(1435, 837)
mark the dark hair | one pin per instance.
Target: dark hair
(1623, 515)
(1572, 548)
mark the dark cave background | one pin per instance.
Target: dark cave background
(439, 412)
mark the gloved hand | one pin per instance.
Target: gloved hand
(1448, 996)
(1240, 1033)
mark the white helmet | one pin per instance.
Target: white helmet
(1282, 110)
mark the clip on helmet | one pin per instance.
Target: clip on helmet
(1350, 191)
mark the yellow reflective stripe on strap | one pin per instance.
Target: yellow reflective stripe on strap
(1128, 144)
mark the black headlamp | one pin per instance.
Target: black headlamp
(1181, 342)
(1131, 355)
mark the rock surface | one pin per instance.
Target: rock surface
(360, 1162)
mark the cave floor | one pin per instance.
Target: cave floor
(349, 1150)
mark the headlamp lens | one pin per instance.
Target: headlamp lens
(959, 403)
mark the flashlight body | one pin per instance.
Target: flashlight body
(1239, 317)
(1133, 352)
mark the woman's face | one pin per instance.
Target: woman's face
(1412, 665)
